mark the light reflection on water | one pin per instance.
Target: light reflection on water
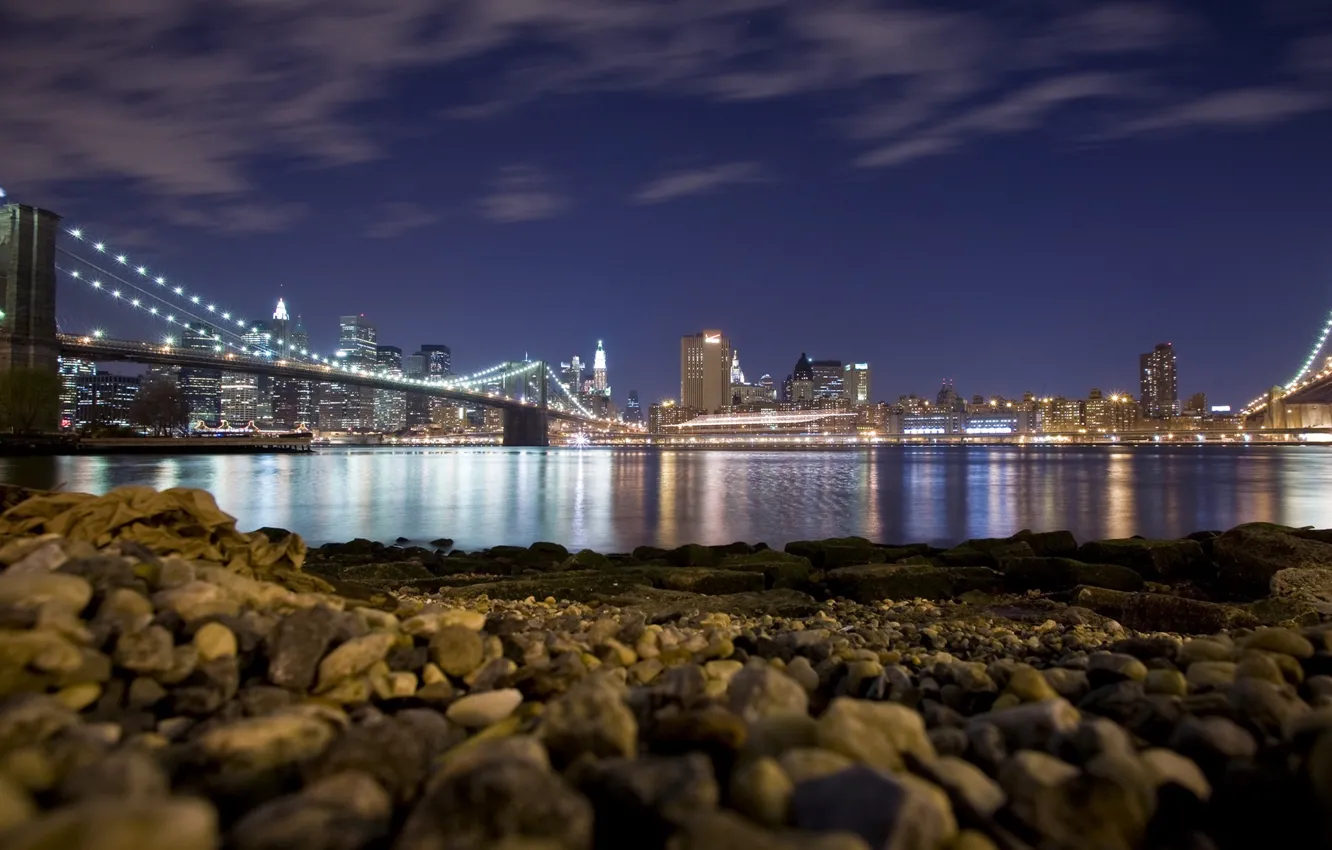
(613, 500)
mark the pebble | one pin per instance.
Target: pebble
(477, 711)
(878, 734)
(457, 650)
(214, 640)
(1280, 640)
(1210, 674)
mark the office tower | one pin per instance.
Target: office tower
(438, 366)
(705, 371)
(827, 378)
(799, 388)
(239, 398)
(280, 329)
(202, 388)
(633, 411)
(571, 375)
(599, 383)
(105, 399)
(856, 382)
(71, 370)
(438, 360)
(1157, 376)
(390, 405)
(356, 340)
(344, 407)
(257, 340)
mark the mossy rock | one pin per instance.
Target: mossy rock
(1155, 560)
(694, 555)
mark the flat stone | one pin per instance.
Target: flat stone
(264, 742)
(484, 709)
(1057, 574)
(878, 734)
(353, 658)
(1156, 560)
(876, 582)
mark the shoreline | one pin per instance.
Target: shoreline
(168, 682)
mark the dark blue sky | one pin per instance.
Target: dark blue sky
(1016, 195)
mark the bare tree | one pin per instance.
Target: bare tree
(29, 399)
(160, 407)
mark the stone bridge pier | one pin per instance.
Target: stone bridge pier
(28, 288)
(526, 426)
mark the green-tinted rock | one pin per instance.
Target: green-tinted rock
(1155, 560)
(1250, 555)
(694, 555)
(876, 582)
(1050, 544)
(1065, 574)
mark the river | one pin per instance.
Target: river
(615, 499)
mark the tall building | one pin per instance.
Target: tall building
(600, 384)
(390, 405)
(202, 388)
(1160, 388)
(1109, 414)
(571, 375)
(633, 410)
(827, 378)
(438, 359)
(737, 374)
(799, 387)
(856, 383)
(705, 371)
(343, 407)
(240, 398)
(72, 369)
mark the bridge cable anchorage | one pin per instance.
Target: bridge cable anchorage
(222, 320)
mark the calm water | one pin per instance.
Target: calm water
(613, 500)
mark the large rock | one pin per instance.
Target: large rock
(497, 800)
(1065, 574)
(297, 644)
(1049, 544)
(1157, 612)
(879, 734)
(896, 811)
(760, 690)
(1250, 555)
(1155, 560)
(345, 811)
(876, 582)
(590, 719)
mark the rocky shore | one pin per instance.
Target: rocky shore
(167, 681)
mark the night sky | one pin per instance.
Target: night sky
(1018, 195)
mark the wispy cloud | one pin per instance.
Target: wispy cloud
(399, 217)
(522, 193)
(1249, 107)
(697, 181)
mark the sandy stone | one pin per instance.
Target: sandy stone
(485, 709)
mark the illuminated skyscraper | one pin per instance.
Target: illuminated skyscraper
(599, 383)
(856, 383)
(571, 374)
(827, 378)
(705, 371)
(737, 374)
(799, 385)
(1160, 388)
(633, 411)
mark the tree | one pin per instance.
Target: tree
(160, 407)
(29, 399)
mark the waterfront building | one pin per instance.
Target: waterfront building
(705, 370)
(104, 399)
(667, 413)
(633, 410)
(1060, 415)
(1109, 414)
(856, 382)
(933, 422)
(71, 370)
(1158, 377)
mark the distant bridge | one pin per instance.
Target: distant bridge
(29, 337)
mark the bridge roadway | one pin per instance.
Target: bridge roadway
(524, 421)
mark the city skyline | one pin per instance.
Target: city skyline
(981, 194)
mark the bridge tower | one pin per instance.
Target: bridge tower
(527, 426)
(28, 288)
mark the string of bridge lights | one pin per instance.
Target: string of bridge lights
(1302, 377)
(210, 327)
(220, 345)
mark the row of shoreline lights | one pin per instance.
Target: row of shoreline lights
(465, 382)
(1302, 378)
